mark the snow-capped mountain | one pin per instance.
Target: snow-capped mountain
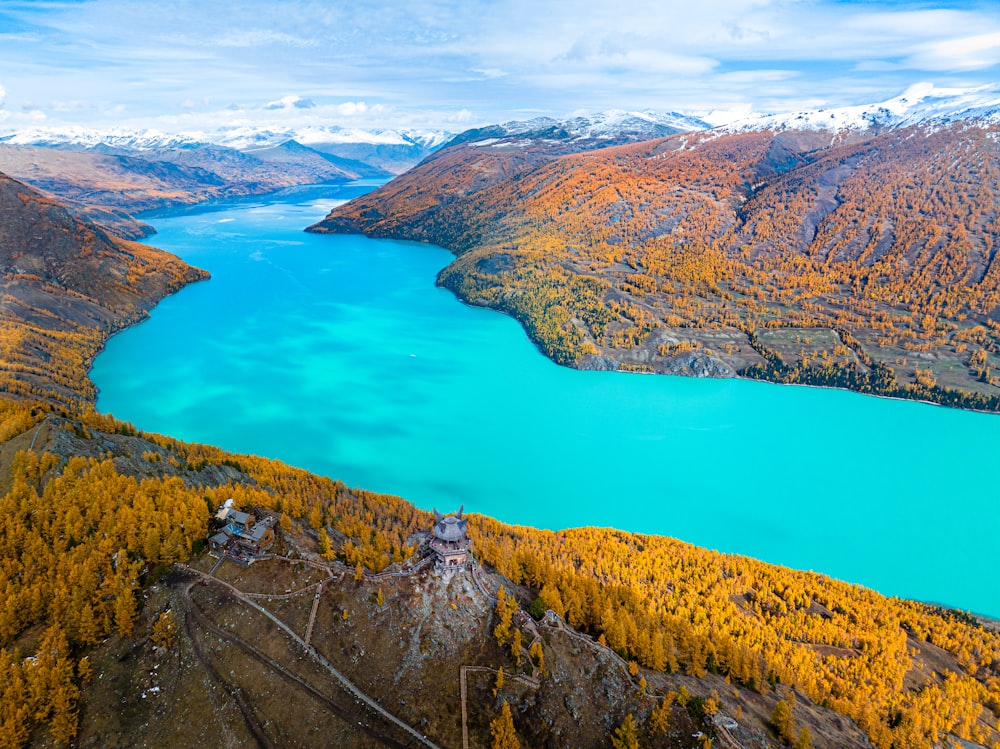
(613, 126)
(390, 151)
(616, 123)
(73, 136)
(921, 103)
(249, 138)
(240, 138)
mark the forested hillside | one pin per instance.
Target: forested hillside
(95, 512)
(862, 260)
(110, 186)
(67, 286)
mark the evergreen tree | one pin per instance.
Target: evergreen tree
(502, 730)
(804, 741)
(781, 721)
(164, 629)
(659, 718)
(626, 736)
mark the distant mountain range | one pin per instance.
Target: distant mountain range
(919, 104)
(602, 129)
(110, 175)
(385, 151)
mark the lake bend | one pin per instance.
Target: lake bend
(338, 354)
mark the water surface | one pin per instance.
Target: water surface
(338, 354)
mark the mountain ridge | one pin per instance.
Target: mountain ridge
(920, 103)
(104, 644)
(860, 258)
(68, 284)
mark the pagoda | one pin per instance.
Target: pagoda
(450, 543)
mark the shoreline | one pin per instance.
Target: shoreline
(541, 350)
(574, 365)
(523, 331)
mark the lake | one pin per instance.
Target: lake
(338, 354)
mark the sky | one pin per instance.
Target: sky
(187, 65)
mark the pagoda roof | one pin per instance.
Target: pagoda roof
(450, 527)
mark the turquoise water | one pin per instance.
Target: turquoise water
(338, 354)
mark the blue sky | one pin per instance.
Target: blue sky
(199, 64)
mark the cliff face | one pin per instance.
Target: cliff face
(67, 286)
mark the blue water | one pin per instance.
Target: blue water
(338, 354)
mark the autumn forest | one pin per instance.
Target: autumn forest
(684, 249)
(857, 261)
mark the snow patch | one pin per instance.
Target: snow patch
(241, 138)
(920, 103)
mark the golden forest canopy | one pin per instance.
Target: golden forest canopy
(92, 510)
(82, 535)
(862, 262)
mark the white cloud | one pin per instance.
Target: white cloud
(464, 62)
(260, 38)
(490, 72)
(290, 102)
(352, 108)
(975, 52)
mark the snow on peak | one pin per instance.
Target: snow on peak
(237, 137)
(76, 136)
(613, 123)
(921, 102)
(617, 122)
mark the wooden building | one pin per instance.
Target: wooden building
(240, 536)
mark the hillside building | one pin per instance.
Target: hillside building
(450, 543)
(240, 536)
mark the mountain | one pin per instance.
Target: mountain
(482, 157)
(111, 139)
(382, 151)
(302, 157)
(390, 151)
(922, 103)
(67, 286)
(612, 127)
(860, 258)
(109, 175)
(110, 185)
(118, 629)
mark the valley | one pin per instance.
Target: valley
(646, 637)
(110, 176)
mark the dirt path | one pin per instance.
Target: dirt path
(346, 683)
(252, 724)
(203, 621)
(312, 614)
